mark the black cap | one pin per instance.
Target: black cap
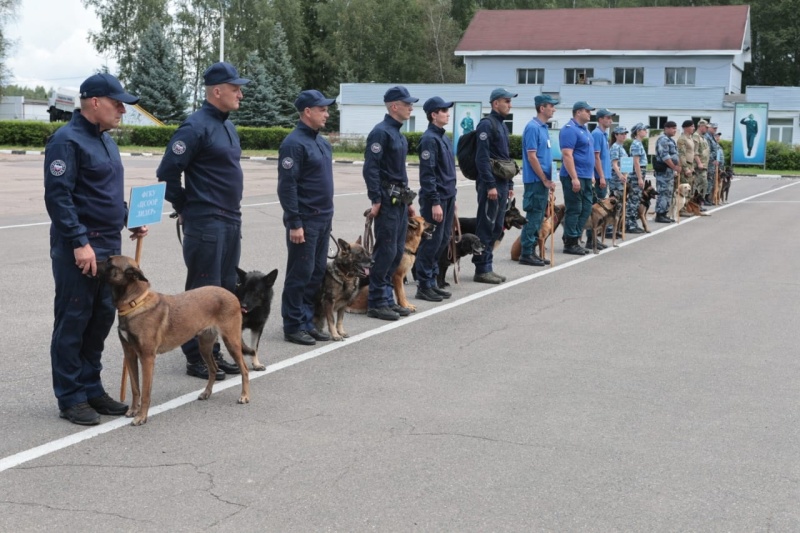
(223, 72)
(312, 98)
(687, 123)
(106, 85)
(399, 94)
(432, 104)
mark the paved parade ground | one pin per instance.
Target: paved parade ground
(652, 387)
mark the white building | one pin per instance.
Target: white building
(669, 63)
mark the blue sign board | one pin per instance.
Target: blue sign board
(146, 204)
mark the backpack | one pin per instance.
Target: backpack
(466, 151)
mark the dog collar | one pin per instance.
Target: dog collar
(133, 305)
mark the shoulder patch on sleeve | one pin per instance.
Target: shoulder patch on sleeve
(426, 154)
(58, 167)
(287, 163)
(178, 148)
(375, 148)
(483, 136)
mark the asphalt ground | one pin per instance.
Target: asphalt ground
(653, 387)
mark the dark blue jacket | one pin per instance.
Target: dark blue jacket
(437, 166)
(385, 158)
(206, 149)
(83, 186)
(305, 176)
(492, 143)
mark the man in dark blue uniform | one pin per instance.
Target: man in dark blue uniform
(387, 187)
(437, 196)
(84, 195)
(493, 192)
(305, 189)
(206, 150)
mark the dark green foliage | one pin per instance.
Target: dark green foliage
(151, 135)
(259, 107)
(155, 77)
(283, 80)
(262, 138)
(26, 132)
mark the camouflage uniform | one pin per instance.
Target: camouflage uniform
(617, 151)
(665, 181)
(713, 156)
(686, 155)
(701, 148)
(635, 195)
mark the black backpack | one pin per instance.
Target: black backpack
(466, 151)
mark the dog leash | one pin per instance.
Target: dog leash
(452, 249)
(369, 235)
(177, 218)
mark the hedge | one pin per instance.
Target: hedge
(34, 134)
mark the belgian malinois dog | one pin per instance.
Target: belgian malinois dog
(151, 323)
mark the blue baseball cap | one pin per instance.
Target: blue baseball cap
(620, 129)
(432, 104)
(399, 94)
(582, 105)
(105, 84)
(500, 93)
(604, 113)
(541, 99)
(223, 72)
(638, 127)
(312, 98)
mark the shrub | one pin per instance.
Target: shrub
(27, 132)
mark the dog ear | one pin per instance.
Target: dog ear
(270, 278)
(344, 246)
(241, 273)
(135, 274)
(358, 240)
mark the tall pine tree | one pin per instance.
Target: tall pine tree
(156, 79)
(282, 77)
(259, 106)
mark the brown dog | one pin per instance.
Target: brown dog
(648, 195)
(340, 286)
(151, 323)
(692, 207)
(512, 219)
(417, 230)
(548, 222)
(605, 213)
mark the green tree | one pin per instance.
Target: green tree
(283, 79)
(123, 23)
(8, 10)
(195, 33)
(259, 106)
(37, 93)
(155, 77)
(776, 47)
(442, 36)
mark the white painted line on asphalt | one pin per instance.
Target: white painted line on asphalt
(235, 381)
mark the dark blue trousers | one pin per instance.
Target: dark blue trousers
(430, 250)
(305, 271)
(489, 224)
(83, 314)
(211, 249)
(390, 227)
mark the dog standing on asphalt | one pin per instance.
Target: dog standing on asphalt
(549, 224)
(254, 290)
(605, 213)
(151, 323)
(512, 219)
(340, 286)
(468, 245)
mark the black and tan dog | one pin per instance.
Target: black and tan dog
(605, 212)
(417, 230)
(549, 224)
(649, 194)
(340, 286)
(512, 219)
(725, 178)
(255, 290)
(469, 244)
(151, 323)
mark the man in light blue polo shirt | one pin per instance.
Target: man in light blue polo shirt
(577, 172)
(537, 167)
(602, 162)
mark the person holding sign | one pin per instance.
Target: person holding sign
(84, 196)
(206, 150)
(639, 169)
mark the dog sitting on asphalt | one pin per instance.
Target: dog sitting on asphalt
(512, 219)
(254, 290)
(649, 193)
(679, 199)
(151, 323)
(340, 286)
(606, 212)
(549, 224)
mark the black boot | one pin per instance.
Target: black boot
(572, 247)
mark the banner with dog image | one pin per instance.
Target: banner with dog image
(750, 134)
(466, 116)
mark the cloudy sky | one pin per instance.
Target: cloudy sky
(51, 47)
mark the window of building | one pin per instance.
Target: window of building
(508, 121)
(530, 76)
(629, 76)
(578, 76)
(657, 123)
(780, 129)
(679, 76)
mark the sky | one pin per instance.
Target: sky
(51, 47)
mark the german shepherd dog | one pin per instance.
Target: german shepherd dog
(548, 222)
(649, 193)
(513, 219)
(725, 178)
(417, 230)
(606, 212)
(340, 286)
(692, 207)
(468, 245)
(254, 290)
(151, 323)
